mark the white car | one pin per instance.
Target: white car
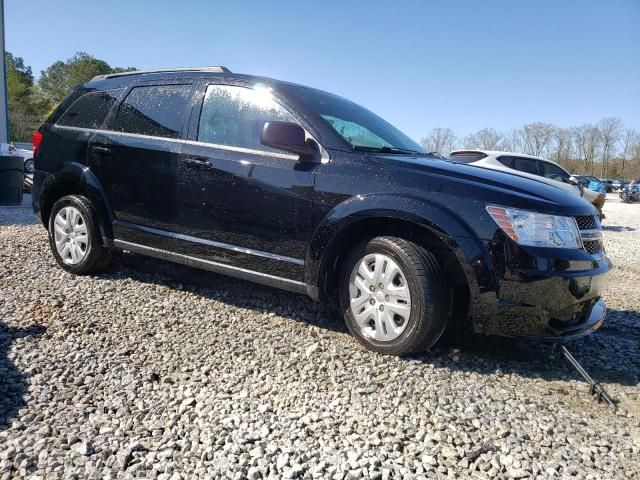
(25, 151)
(529, 166)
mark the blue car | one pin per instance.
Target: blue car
(596, 186)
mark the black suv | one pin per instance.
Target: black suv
(296, 188)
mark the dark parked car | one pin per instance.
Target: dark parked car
(608, 184)
(296, 188)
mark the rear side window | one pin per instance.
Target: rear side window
(467, 157)
(90, 110)
(526, 165)
(235, 116)
(157, 110)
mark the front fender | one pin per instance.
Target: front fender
(73, 178)
(438, 219)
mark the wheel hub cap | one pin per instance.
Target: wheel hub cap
(70, 235)
(380, 300)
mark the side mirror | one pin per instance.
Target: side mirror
(287, 136)
(574, 181)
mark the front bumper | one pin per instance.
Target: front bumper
(592, 319)
(540, 293)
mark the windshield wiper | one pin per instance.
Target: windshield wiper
(392, 150)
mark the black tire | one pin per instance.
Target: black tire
(429, 295)
(29, 166)
(96, 256)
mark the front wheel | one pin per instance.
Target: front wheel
(393, 296)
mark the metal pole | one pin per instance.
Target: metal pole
(4, 110)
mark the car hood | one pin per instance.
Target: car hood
(550, 194)
(590, 195)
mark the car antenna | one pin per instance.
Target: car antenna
(595, 389)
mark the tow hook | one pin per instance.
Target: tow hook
(595, 389)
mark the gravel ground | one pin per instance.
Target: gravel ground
(153, 370)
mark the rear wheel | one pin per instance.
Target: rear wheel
(74, 236)
(393, 296)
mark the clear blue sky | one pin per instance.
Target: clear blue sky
(419, 64)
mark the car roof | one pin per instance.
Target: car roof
(124, 79)
(499, 153)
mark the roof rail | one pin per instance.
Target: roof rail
(214, 69)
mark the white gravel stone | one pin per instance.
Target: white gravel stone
(154, 370)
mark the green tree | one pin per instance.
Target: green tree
(26, 109)
(57, 81)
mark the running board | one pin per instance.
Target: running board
(242, 273)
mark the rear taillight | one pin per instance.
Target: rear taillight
(37, 139)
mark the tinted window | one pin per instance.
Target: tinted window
(466, 157)
(553, 172)
(156, 110)
(526, 165)
(235, 115)
(506, 161)
(90, 110)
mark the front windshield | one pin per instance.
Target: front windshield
(357, 125)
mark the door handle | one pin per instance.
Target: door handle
(198, 163)
(101, 150)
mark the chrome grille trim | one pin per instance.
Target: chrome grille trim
(590, 234)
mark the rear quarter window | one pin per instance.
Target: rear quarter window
(90, 110)
(157, 110)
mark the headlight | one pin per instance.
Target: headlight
(536, 229)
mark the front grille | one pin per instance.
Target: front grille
(590, 233)
(593, 246)
(586, 222)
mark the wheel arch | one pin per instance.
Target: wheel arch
(425, 224)
(76, 179)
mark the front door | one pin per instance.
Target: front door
(239, 202)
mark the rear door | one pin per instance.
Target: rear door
(136, 158)
(240, 202)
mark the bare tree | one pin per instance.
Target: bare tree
(561, 149)
(636, 158)
(537, 138)
(440, 140)
(587, 139)
(577, 148)
(630, 138)
(610, 130)
(514, 141)
(485, 139)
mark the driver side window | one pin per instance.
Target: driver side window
(553, 172)
(234, 116)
